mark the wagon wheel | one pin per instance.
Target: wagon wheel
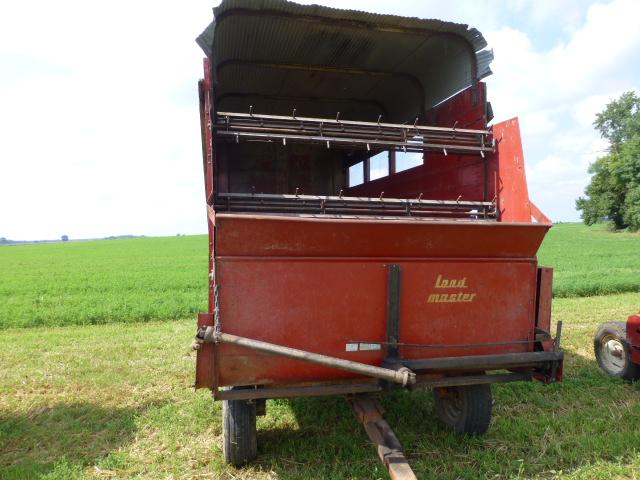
(613, 352)
(465, 409)
(239, 431)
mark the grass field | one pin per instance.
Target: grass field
(134, 280)
(115, 400)
(103, 281)
(591, 260)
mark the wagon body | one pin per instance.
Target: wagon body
(431, 269)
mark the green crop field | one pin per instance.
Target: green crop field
(103, 281)
(114, 401)
(134, 280)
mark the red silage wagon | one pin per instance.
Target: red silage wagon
(333, 269)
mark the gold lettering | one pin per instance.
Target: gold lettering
(450, 282)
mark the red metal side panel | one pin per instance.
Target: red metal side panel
(442, 177)
(321, 305)
(467, 109)
(282, 236)
(507, 175)
(207, 110)
(543, 306)
(204, 356)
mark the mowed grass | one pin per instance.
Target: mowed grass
(103, 281)
(136, 280)
(591, 260)
(116, 402)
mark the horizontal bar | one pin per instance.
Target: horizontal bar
(458, 381)
(482, 362)
(352, 122)
(401, 375)
(353, 388)
(291, 392)
(408, 146)
(270, 196)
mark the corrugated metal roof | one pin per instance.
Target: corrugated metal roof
(278, 55)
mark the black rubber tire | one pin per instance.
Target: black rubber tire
(615, 331)
(465, 409)
(239, 431)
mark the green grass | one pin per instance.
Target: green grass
(134, 280)
(115, 401)
(591, 260)
(103, 281)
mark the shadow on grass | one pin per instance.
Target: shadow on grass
(537, 430)
(55, 442)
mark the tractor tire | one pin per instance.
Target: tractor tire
(465, 409)
(613, 352)
(239, 431)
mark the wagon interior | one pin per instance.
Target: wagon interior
(323, 117)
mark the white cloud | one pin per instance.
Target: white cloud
(99, 126)
(557, 93)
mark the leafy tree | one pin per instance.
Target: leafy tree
(614, 191)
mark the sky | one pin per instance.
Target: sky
(99, 123)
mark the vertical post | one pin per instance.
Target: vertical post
(392, 162)
(366, 170)
(393, 310)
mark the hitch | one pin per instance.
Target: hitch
(402, 375)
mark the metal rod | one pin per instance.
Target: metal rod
(293, 391)
(424, 128)
(272, 196)
(451, 345)
(401, 376)
(461, 380)
(482, 362)
(352, 134)
(405, 146)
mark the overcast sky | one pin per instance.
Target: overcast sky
(99, 131)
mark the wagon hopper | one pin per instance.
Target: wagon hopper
(334, 269)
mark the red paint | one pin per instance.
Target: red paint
(633, 337)
(507, 167)
(330, 302)
(316, 283)
(545, 295)
(287, 236)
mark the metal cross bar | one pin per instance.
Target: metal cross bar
(233, 126)
(336, 205)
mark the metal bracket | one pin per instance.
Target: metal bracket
(393, 311)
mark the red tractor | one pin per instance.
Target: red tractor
(617, 348)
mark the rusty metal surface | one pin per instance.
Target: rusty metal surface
(369, 412)
(401, 375)
(204, 356)
(347, 57)
(461, 380)
(321, 305)
(543, 304)
(355, 206)
(484, 362)
(507, 175)
(299, 391)
(319, 236)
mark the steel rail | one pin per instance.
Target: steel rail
(403, 376)
(404, 146)
(337, 121)
(347, 199)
